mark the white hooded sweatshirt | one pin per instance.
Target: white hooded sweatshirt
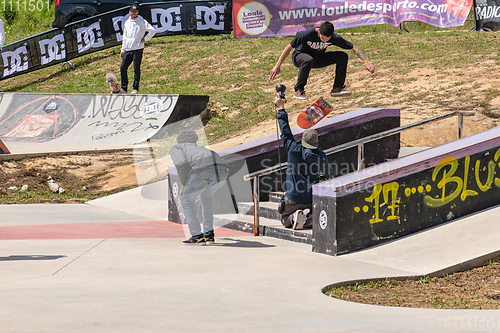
(134, 31)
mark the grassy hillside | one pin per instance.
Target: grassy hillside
(234, 72)
(21, 20)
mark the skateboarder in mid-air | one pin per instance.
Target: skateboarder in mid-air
(310, 46)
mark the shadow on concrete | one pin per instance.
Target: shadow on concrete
(30, 257)
(243, 243)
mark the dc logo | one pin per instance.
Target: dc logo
(151, 108)
(52, 106)
(15, 61)
(166, 19)
(118, 22)
(208, 17)
(89, 37)
(323, 220)
(52, 49)
(175, 189)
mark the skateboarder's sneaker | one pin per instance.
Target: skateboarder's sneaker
(209, 237)
(300, 94)
(298, 220)
(308, 224)
(135, 91)
(195, 240)
(340, 92)
(209, 240)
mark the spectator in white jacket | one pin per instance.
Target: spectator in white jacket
(134, 36)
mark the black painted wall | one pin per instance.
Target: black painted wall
(413, 202)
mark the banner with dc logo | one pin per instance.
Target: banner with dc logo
(106, 30)
(487, 15)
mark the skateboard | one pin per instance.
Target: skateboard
(113, 84)
(317, 111)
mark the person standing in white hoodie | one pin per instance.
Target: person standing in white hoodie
(134, 36)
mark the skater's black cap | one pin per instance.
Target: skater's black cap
(134, 8)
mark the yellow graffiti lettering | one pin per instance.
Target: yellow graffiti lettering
(466, 192)
(393, 188)
(497, 155)
(447, 178)
(491, 174)
(376, 198)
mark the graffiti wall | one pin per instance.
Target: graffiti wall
(85, 118)
(408, 195)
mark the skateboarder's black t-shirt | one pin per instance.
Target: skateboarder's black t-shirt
(308, 41)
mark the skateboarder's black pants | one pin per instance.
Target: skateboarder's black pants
(304, 62)
(129, 57)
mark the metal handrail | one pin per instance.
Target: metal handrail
(360, 144)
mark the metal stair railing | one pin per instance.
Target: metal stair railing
(359, 143)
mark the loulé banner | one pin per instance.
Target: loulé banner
(106, 30)
(267, 18)
(487, 15)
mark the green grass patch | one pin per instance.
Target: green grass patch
(234, 72)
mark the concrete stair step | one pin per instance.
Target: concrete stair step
(275, 196)
(266, 209)
(268, 227)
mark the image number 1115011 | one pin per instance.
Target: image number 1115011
(24, 5)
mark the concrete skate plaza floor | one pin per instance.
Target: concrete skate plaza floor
(244, 283)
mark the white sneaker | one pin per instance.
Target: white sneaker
(340, 92)
(300, 94)
(298, 220)
(134, 91)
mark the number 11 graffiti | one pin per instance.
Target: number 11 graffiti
(451, 184)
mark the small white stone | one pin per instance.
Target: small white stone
(54, 187)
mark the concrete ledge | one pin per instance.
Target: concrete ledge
(407, 195)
